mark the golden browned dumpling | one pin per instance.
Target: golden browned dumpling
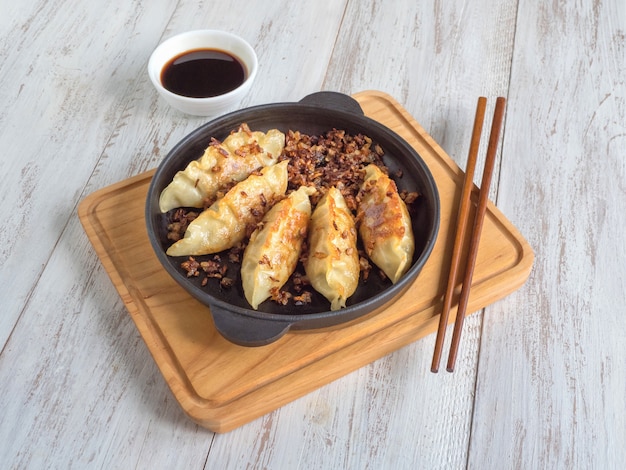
(385, 224)
(224, 224)
(274, 248)
(233, 160)
(332, 265)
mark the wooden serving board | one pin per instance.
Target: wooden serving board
(221, 385)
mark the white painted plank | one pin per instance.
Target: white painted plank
(64, 74)
(77, 385)
(372, 418)
(398, 414)
(434, 59)
(87, 392)
(551, 381)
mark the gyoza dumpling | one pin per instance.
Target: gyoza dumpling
(385, 224)
(332, 265)
(233, 160)
(224, 224)
(274, 248)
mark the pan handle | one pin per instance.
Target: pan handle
(245, 330)
(333, 100)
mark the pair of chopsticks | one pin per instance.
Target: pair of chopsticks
(463, 216)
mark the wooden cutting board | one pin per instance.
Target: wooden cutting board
(221, 385)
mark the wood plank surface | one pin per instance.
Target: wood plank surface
(221, 385)
(540, 378)
(59, 110)
(564, 176)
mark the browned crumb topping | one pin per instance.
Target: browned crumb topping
(179, 221)
(335, 158)
(211, 268)
(303, 299)
(332, 159)
(280, 296)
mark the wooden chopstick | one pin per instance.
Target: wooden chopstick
(462, 219)
(483, 198)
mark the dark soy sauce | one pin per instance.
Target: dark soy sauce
(201, 73)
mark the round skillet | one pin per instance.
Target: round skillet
(315, 114)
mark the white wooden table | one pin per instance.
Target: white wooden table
(541, 376)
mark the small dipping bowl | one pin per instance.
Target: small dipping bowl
(220, 41)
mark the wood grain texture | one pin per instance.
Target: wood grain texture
(437, 67)
(59, 109)
(539, 384)
(223, 386)
(563, 175)
(67, 309)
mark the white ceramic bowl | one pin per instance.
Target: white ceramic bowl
(203, 39)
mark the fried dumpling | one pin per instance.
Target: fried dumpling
(332, 264)
(232, 160)
(274, 248)
(385, 224)
(224, 223)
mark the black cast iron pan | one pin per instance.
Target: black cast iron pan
(315, 114)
